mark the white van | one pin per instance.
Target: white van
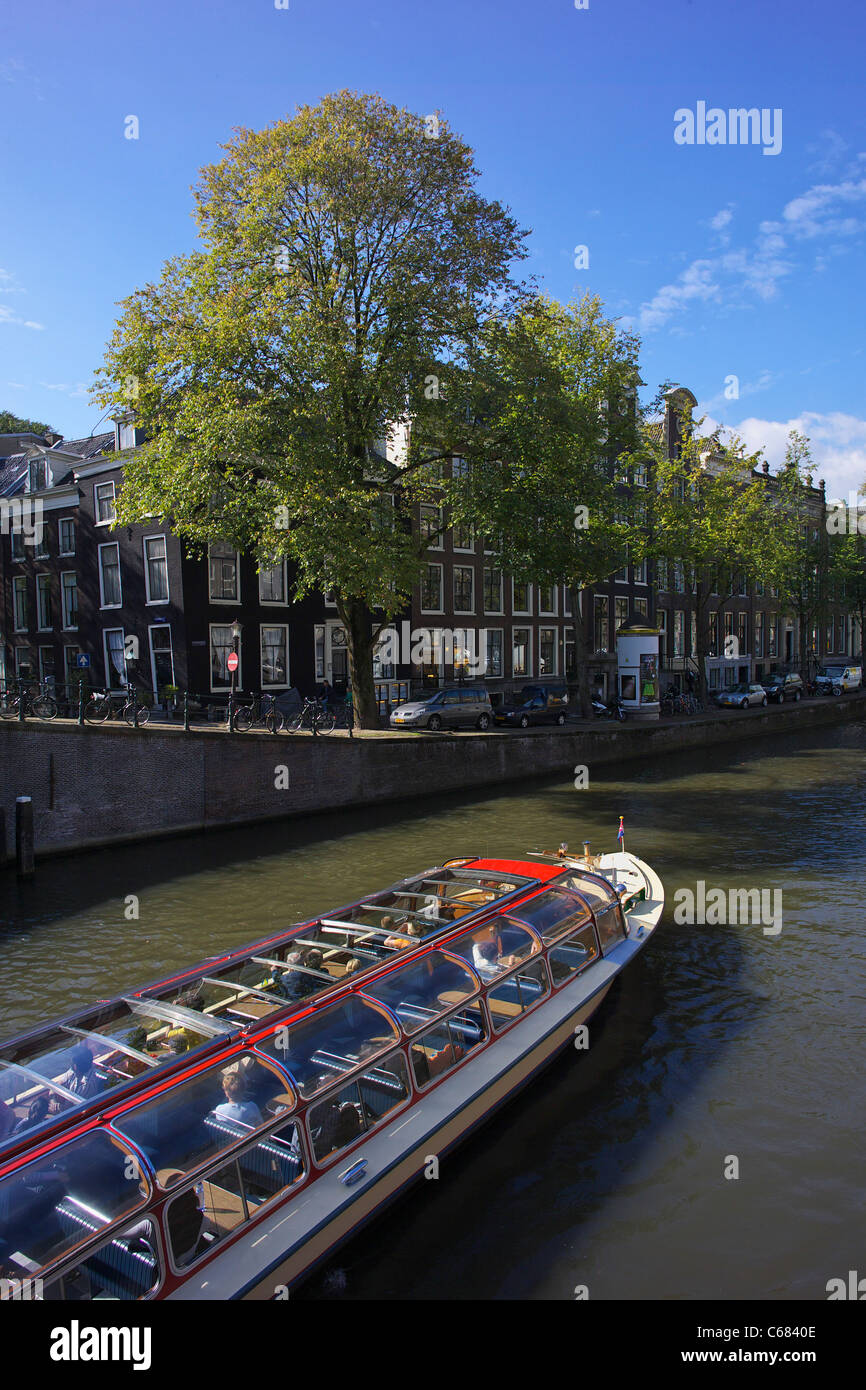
(832, 680)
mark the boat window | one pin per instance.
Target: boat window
(421, 991)
(191, 1122)
(318, 1049)
(354, 1109)
(595, 889)
(68, 1195)
(611, 927)
(572, 955)
(519, 993)
(126, 1267)
(205, 1214)
(496, 947)
(551, 914)
(446, 1045)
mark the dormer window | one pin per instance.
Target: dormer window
(39, 475)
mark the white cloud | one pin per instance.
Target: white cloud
(77, 392)
(733, 277)
(837, 441)
(7, 316)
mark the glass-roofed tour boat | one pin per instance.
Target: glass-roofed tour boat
(218, 1134)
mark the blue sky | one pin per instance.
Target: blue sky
(729, 261)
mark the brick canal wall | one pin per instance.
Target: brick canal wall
(101, 786)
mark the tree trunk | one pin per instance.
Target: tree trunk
(581, 652)
(357, 620)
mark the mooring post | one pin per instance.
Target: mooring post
(24, 836)
(81, 701)
(186, 711)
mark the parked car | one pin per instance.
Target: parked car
(536, 704)
(742, 696)
(455, 707)
(832, 680)
(782, 687)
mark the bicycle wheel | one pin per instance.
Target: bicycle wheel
(9, 707)
(45, 707)
(96, 711)
(143, 714)
(326, 722)
(296, 722)
(243, 719)
(273, 717)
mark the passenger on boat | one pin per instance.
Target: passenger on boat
(36, 1113)
(485, 958)
(306, 984)
(185, 1221)
(348, 1126)
(352, 965)
(7, 1120)
(399, 943)
(236, 1105)
(82, 1079)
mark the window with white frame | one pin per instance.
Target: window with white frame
(18, 552)
(547, 598)
(639, 571)
(272, 584)
(679, 633)
(463, 537)
(161, 658)
(566, 601)
(115, 658)
(492, 590)
(759, 633)
(464, 589)
(43, 602)
(641, 606)
(71, 672)
(41, 550)
(743, 632)
(521, 651)
(46, 665)
(221, 646)
(66, 535)
(156, 569)
(110, 594)
(547, 651)
(24, 663)
(104, 506)
(431, 589)
(601, 623)
(640, 475)
(274, 655)
(494, 653)
(431, 525)
(19, 603)
(521, 598)
(662, 573)
(69, 598)
(223, 573)
(662, 624)
(620, 613)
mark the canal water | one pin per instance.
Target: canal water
(724, 1049)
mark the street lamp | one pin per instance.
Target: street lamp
(236, 637)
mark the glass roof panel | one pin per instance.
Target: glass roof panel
(423, 990)
(552, 913)
(320, 1048)
(494, 947)
(64, 1197)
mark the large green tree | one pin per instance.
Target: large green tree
(712, 516)
(16, 424)
(801, 551)
(546, 402)
(345, 253)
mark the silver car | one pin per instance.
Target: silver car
(457, 707)
(742, 696)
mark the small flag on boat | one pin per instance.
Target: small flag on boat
(620, 834)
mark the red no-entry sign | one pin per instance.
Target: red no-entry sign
(232, 661)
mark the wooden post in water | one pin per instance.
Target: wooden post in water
(24, 844)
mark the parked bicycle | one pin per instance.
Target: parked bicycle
(37, 701)
(104, 705)
(262, 713)
(314, 716)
